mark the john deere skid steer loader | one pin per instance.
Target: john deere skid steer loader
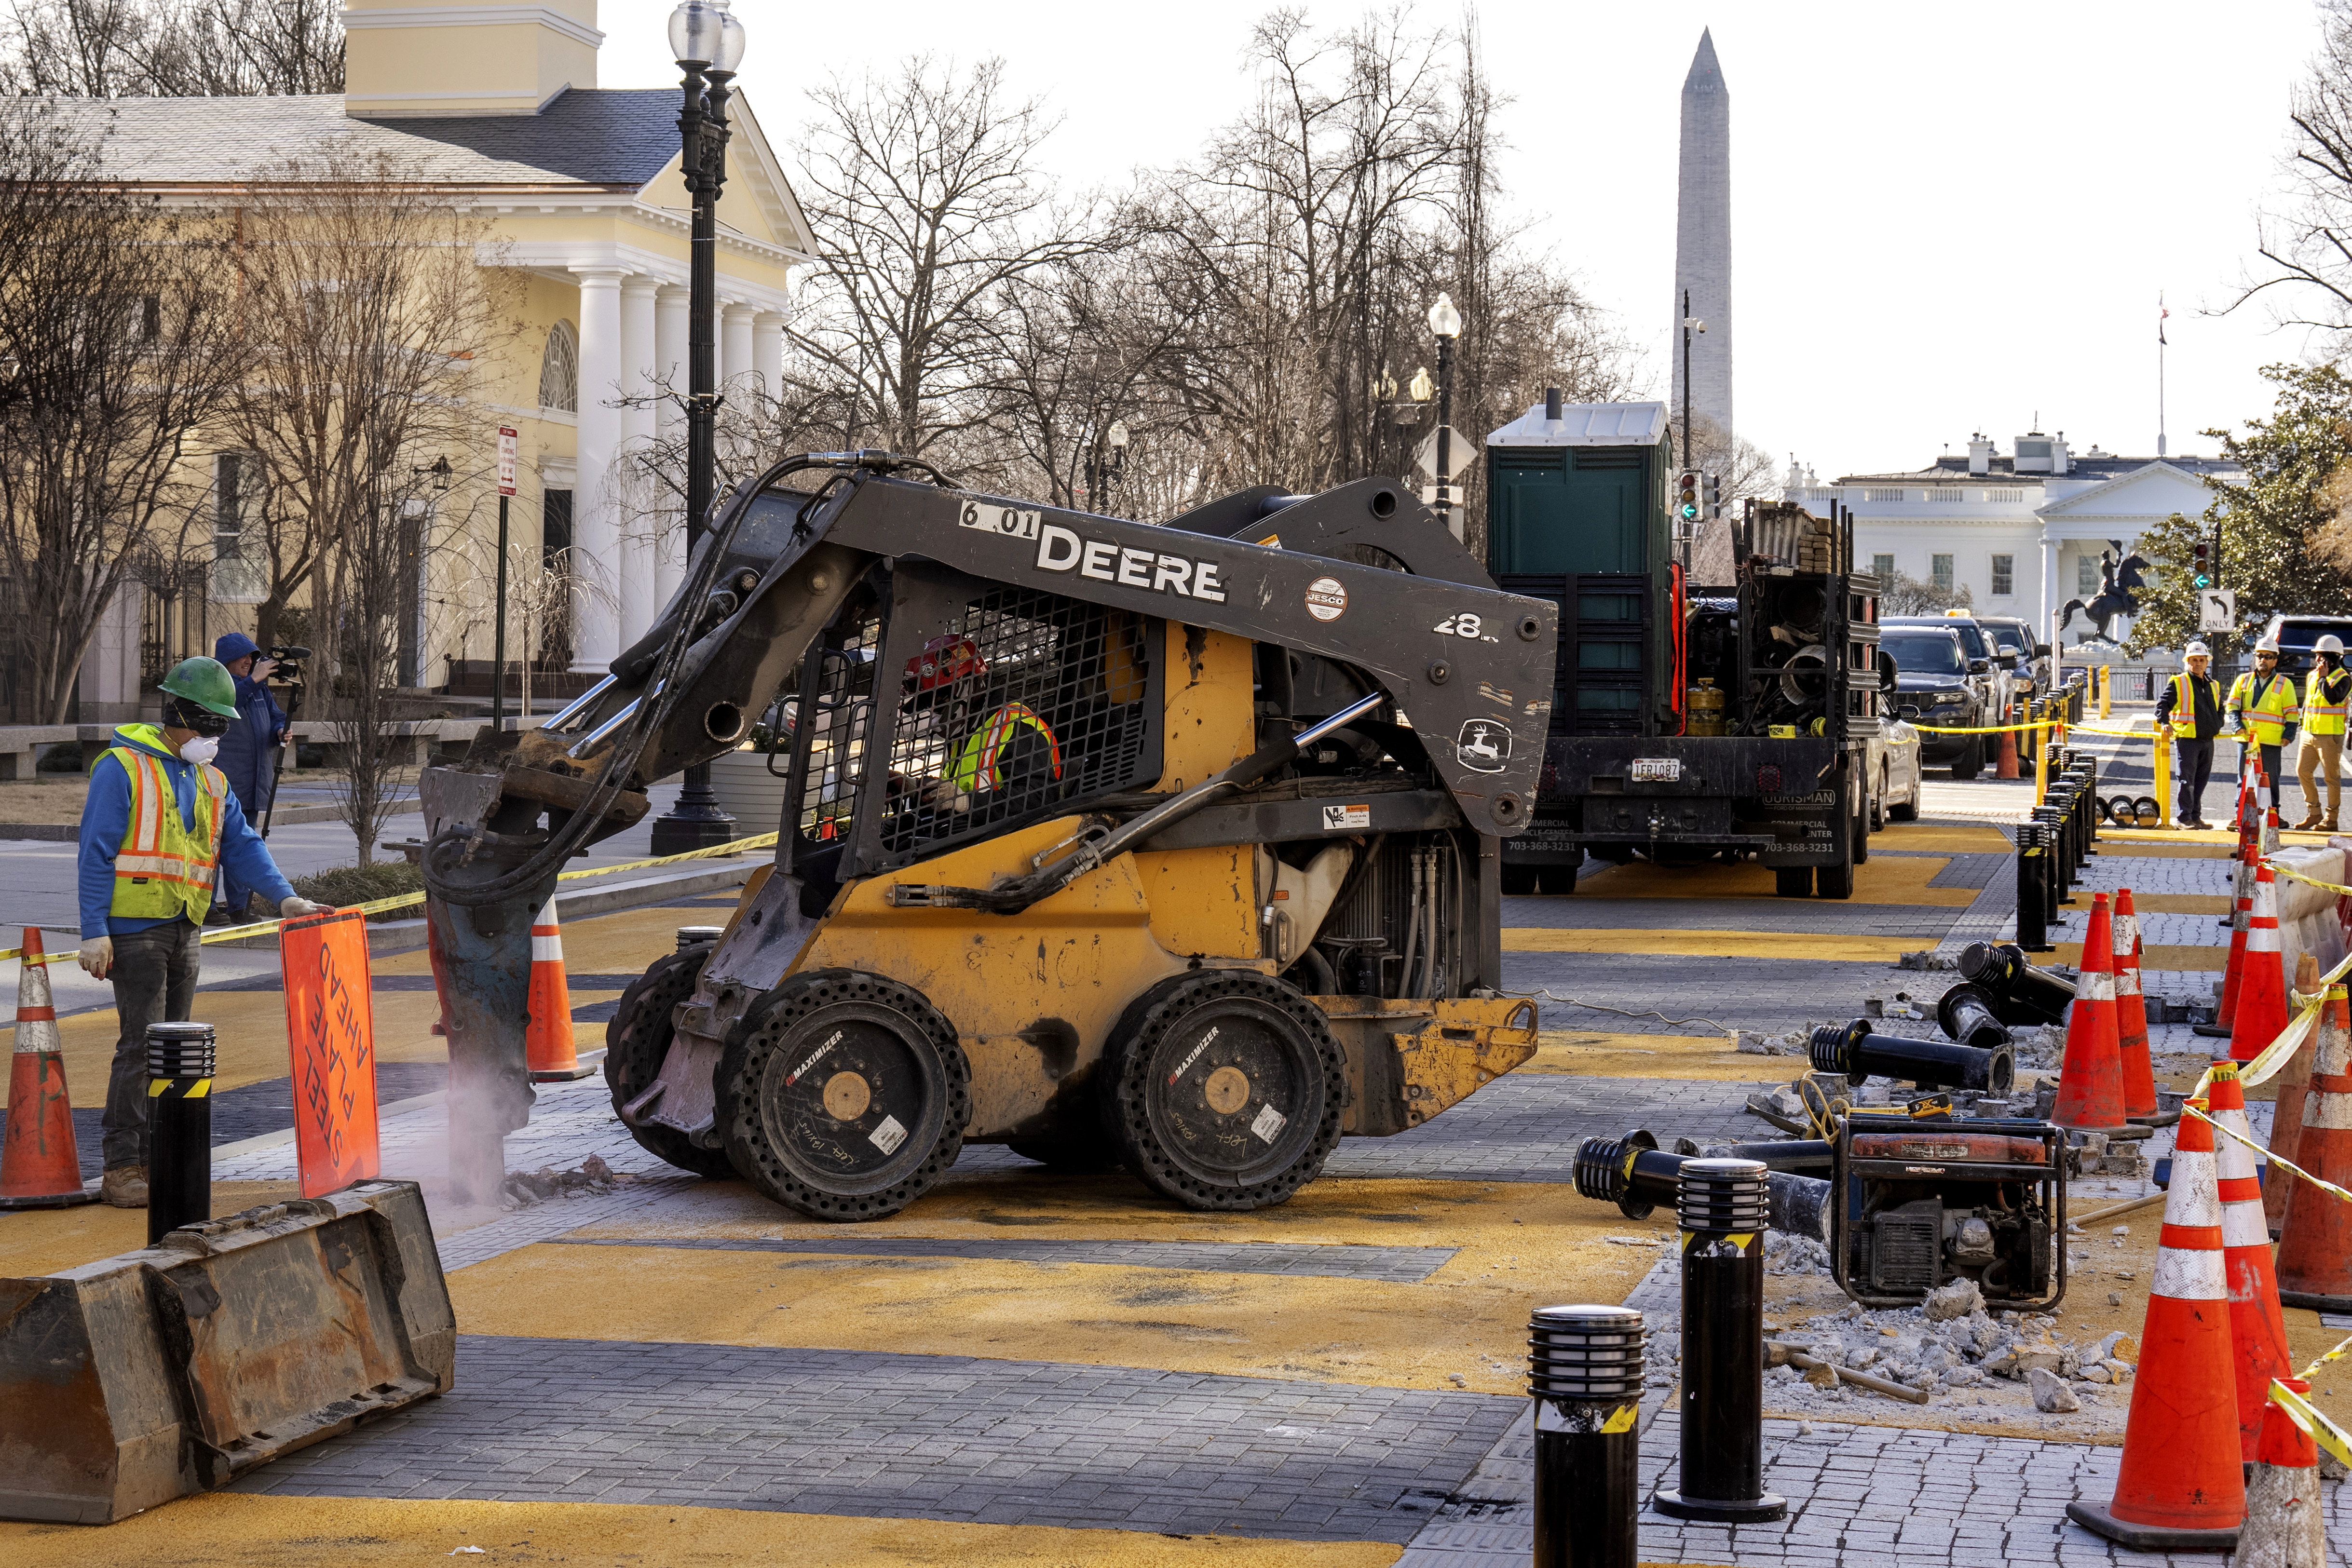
(1169, 846)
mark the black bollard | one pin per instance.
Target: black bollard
(1858, 1053)
(2021, 994)
(179, 1126)
(1966, 1013)
(1722, 1474)
(2032, 889)
(1633, 1174)
(695, 936)
(1584, 1369)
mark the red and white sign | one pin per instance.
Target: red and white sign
(509, 455)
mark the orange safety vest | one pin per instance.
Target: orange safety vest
(164, 867)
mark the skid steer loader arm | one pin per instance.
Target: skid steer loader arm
(1467, 668)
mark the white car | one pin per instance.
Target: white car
(1894, 774)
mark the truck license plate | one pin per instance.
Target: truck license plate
(1667, 768)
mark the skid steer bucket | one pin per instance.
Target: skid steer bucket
(131, 1381)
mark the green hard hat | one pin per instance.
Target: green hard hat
(205, 682)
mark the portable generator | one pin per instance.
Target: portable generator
(1924, 1202)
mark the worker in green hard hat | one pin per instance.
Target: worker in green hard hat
(157, 829)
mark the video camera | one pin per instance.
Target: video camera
(286, 656)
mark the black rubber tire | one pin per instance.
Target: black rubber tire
(1862, 832)
(1559, 881)
(1878, 801)
(1793, 881)
(1971, 762)
(1085, 1153)
(1836, 880)
(637, 1040)
(1908, 810)
(830, 1147)
(1279, 1051)
(1518, 880)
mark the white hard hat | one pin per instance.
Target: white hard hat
(2267, 645)
(2197, 651)
(2331, 644)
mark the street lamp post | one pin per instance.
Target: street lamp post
(708, 41)
(1692, 327)
(1103, 471)
(1445, 322)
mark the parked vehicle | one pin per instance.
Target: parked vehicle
(1896, 773)
(2014, 637)
(2296, 635)
(1933, 686)
(1988, 667)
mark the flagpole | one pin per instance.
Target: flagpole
(2162, 314)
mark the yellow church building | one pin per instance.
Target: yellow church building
(582, 204)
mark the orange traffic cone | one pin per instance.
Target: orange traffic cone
(2089, 1084)
(2131, 1015)
(2181, 1487)
(553, 1059)
(2289, 1086)
(40, 1167)
(2286, 1519)
(2005, 767)
(2261, 989)
(2314, 1255)
(2257, 1328)
(2242, 919)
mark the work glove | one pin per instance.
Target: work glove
(97, 957)
(295, 908)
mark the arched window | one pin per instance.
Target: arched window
(558, 370)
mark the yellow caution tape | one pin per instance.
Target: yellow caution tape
(2335, 887)
(1621, 1419)
(2305, 1415)
(1983, 729)
(2306, 1375)
(2275, 1158)
(408, 900)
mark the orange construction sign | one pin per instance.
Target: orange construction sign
(330, 1027)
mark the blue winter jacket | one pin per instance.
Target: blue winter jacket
(248, 752)
(106, 817)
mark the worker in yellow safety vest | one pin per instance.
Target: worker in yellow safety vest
(2189, 710)
(159, 827)
(2326, 700)
(1011, 754)
(2262, 708)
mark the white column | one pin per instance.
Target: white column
(735, 343)
(669, 426)
(640, 521)
(595, 534)
(2051, 599)
(768, 350)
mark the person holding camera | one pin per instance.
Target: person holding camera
(248, 754)
(159, 824)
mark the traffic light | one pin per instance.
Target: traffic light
(1687, 497)
(2203, 554)
(1711, 493)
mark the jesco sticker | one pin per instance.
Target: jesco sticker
(1327, 599)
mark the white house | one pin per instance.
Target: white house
(2023, 532)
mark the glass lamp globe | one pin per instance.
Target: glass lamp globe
(696, 30)
(1443, 319)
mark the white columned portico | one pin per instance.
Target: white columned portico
(594, 532)
(669, 428)
(637, 526)
(768, 350)
(735, 338)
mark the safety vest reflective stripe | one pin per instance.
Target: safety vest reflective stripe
(977, 767)
(2324, 717)
(2269, 712)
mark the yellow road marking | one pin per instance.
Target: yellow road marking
(1714, 943)
(228, 1529)
(2163, 955)
(1681, 1057)
(44, 1240)
(1880, 880)
(2181, 902)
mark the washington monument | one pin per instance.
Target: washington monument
(1703, 244)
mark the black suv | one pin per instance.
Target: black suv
(1933, 688)
(2296, 635)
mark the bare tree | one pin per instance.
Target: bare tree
(375, 314)
(926, 202)
(117, 341)
(147, 48)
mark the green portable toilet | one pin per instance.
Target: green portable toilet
(1577, 513)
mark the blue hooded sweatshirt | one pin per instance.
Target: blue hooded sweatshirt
(246, 753)
(106, 817)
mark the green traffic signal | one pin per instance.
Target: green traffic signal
(1690, 513)
(2203, 581)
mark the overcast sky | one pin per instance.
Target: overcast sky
(1945, 218)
